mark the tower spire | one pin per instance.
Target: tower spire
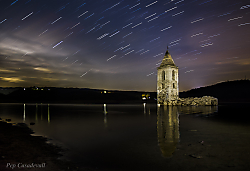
(167, 60)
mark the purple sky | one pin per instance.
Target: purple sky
(112, 44)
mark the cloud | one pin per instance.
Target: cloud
(50, 79)
(6, 71)
(11, 79)
(235, 61)
(18, 45)
(42, 69)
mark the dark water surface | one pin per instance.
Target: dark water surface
(143, 137)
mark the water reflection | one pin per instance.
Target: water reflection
(24, 116)
(105, 115)
(168, 124)
(48, 115)
(205, 110)
(144, 108)
(168, 129)
(42, 114)
(36, 113)
(129, 128)
(105, 109)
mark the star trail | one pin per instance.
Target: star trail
(118, 44)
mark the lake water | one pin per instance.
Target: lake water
(143, 136)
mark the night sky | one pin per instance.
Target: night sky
(118, 44)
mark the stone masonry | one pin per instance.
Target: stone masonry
(167, 80)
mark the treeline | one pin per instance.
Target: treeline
(229, 91)
(75, 95)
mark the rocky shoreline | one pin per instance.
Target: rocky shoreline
(193, 101)
(19, 150)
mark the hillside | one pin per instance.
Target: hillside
(229, 91)
(75, 95)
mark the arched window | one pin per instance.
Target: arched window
(173, 85)
(163, 86)
(163, 75)
(173, 75)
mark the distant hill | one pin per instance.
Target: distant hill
(229, 91)
(75, 95)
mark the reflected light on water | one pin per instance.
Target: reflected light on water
(105, 115)
(48, 115)
(144, 108)
(105, 121)
(105, 109)
(24, 113)
(36, 113)
(41, 112)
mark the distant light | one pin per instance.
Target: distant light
(105, 92)
(23, 88)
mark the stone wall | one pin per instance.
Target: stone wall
(193, 101)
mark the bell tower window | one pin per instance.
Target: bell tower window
(173, 75)
(163, 75)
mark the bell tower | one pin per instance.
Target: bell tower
(167, 80)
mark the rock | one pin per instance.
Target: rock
(21, 124)
(193, 101)
(196, 156)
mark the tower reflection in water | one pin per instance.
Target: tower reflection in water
(168, 124)
(168, 129)
(203, 110)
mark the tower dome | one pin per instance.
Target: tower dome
(167, 60)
